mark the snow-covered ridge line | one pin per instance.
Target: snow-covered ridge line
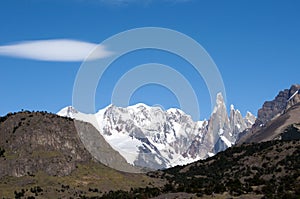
(151, 137)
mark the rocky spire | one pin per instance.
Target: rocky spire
(223, 130)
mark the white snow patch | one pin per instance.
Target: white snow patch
(226, 141)
(210, 154)
(221, 131)
(125, 145)
(175, 110)
(158, 160)
(170, 138)
(176, 127)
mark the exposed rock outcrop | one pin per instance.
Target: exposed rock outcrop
(38, 141)
(275, 116)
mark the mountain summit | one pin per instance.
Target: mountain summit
(151, 137)
(221, 131)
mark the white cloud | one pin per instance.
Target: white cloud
(64, 50)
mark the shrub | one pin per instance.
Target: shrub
(2, 151)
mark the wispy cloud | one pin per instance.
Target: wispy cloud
(64, 50)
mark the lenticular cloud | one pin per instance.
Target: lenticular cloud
(64, 50)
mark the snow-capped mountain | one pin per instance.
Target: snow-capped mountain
(221, 131)
(150, 137)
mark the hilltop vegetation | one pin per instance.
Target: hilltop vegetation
(271, 169)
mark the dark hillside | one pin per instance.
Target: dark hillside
(271, 169)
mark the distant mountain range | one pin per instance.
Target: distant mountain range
(43, 155)
(156, 139)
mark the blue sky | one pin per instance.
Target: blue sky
(255, 44)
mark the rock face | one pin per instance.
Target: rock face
(220, 131)
(294, 94)
(38, 141)
(32, 145)
(277, 106)
(249, 119)
(150, 137)
(275, 116)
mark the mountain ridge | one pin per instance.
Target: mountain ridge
(274, 117)
(150, 137)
